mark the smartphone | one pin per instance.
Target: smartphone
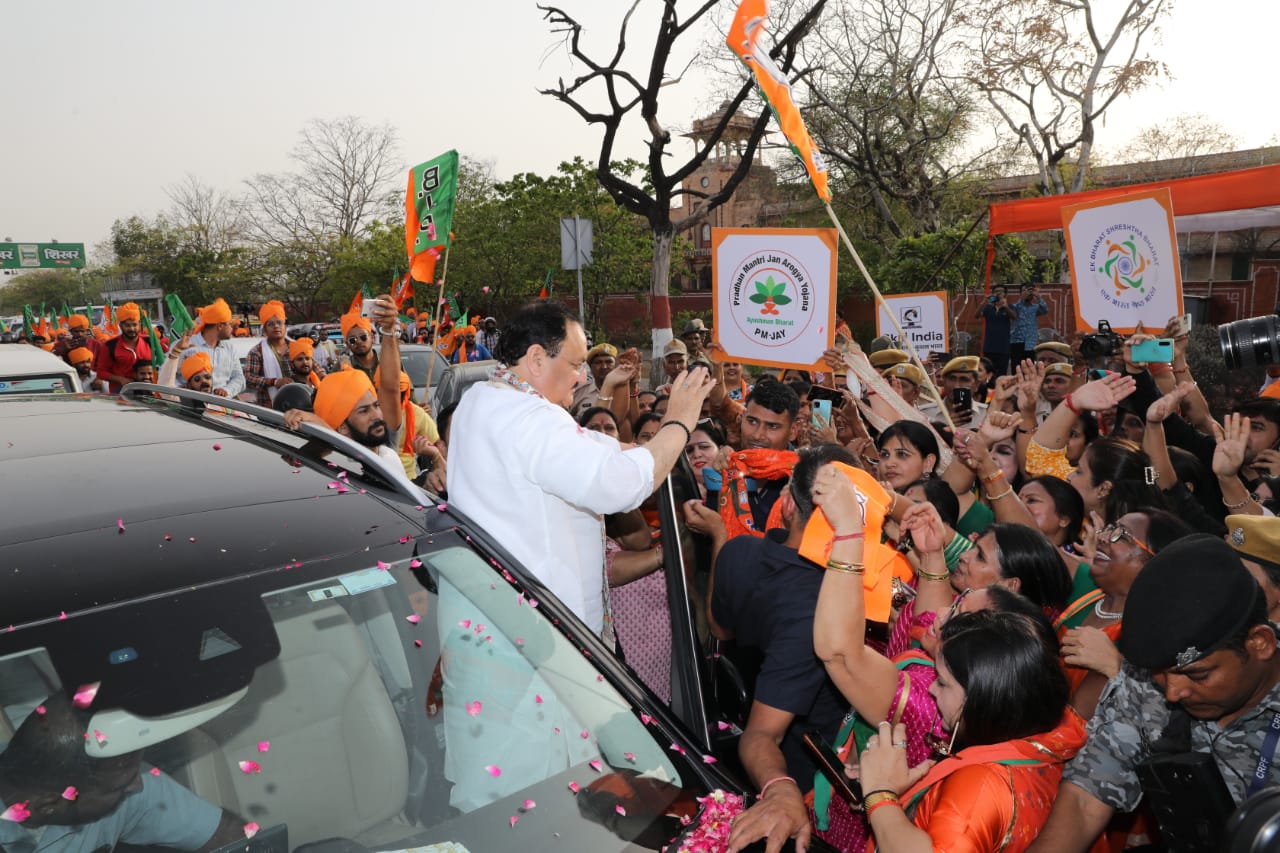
(821, 413)
(822, 392)
(1158, 351)
(367, 306)
(1186, 324)
(962, 398)
(1098, 373)
(833, 768)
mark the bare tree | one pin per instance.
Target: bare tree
(1050, 69)
(211, 219)
(886, 108)
(621, 95)
(1182, 138)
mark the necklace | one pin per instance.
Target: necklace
(504, 375)
(1106, 614)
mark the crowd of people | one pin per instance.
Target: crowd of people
(1006, 609)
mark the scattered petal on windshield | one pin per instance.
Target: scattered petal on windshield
(519, 641)
(599, 678)
(479, 628)
(474, 708)
(620, 810)
(70, 793)
(493, 770)
(573, 786)
(630, 756)
(154, 771)
(675, 747)
(646, 719)
(537, 698)
(585, 734)
(708, 759)
(415, 563)
(404, 539)
(442, 507)
(465, 623)
(413, 618)
(85, 695)
(251, 829)
(723, 726)
(62, 615)
(513, 821)
(41, 710)
(168, 537)
(557, 730)
(595, 765)
(529, 804)
(120, 524)
(247, 767)
(100, 737)
(418, 643)
(217, 447)
(384, 566)
(18, 812)
(264, 745)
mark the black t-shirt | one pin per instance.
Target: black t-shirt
(766, 594)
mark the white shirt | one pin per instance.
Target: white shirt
(228, 375)
(540, 485)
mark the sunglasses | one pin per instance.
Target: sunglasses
(355, 339)
(200, 377)
(1114, 533)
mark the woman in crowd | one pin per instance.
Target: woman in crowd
(908, 452)
(646, 427)
(599, 419)
(638, 599)
(704, 444)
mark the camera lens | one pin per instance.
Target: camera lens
(1250, 343)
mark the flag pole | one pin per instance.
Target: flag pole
(435, 326)
(910, 348)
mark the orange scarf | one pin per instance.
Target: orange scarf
(735, 505)
(409, 424)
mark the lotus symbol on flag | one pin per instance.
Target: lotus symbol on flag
(1125, 264)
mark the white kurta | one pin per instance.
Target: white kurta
(540, 485)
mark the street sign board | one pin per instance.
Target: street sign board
(575, 243)
(30, 256)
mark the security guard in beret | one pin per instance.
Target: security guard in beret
(601, 359)
(1054, 352)
(888, 358)
(1057, 385)
(906, 379)
(959, 384)
(1256, 539)
(1200, 661)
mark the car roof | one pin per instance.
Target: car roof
(117, 499)
(23, 359)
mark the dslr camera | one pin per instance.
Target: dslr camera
(1251, 343)
(1101, 343)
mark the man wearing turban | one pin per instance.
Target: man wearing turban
(82, 360)
(357, 331)
(117, 356)
(302, 364)
(467, 348)
(197, 372)
(348, 403)
(211, 336)
(266, 369)
(80, 328)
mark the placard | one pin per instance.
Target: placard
(923, 318)
(1124, 261)
(773, 291)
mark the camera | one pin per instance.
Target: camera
(1250, 343)
(1101, 343)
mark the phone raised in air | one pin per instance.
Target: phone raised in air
(821, 413)
(1158, 351)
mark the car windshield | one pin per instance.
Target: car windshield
(420, 704)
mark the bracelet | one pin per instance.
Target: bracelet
(1234, 507)
(846, 538)
(688, 433)
(766, 785)
(1003, 494)
(1159, 369)
(604, 399)
(1071, 406)
(934, 576)
(875, 791)
(845, 568)
(879, 804)
(991, 478)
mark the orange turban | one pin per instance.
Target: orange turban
(273, 310)
(465, 330)
(78, 321)
(302, 346)
(406, 384)
(129, 311)
(338, 394)
(197, 362)
(78, 355)
(1272, 391)
(218, 312)
(351, 321)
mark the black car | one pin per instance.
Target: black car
(268, 623)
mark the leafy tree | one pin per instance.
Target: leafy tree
(940, 261)
(52, 288)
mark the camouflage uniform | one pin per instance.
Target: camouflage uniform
(1132, 713)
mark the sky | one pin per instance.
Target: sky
(111, 103)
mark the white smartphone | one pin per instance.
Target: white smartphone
(367, 306)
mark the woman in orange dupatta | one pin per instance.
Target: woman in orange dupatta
(1003, 696)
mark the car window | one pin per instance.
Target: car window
(418, 702)
(36, 385)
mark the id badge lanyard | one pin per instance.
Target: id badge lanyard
(1266, 757)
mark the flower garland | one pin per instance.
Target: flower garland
(715, 820)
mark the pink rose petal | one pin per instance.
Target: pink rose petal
(519, 641)
(120, 524)
(85, 695)
(595, 765)
(18, 812)
(251, 829)
(529, 804)
(513, 820)
(100, 737)
(154, 771)
(404, 539)
(723, 726)
(413, 618)
(646, 719)
(442, 507)
(418, 643)
(70, 793)
(585, 734)
(493, 770)
(217, 447)
(620, 810)
(573, 786)
(264, 745)
(384, 566)
(557, 730)
(41, 710)
(248, 767)
(675, 747)
(474, 708)
(415, 563)
(708, 759)
(630, 756)
(484, 289)
(465, 623)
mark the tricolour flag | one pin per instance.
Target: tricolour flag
(744, 37)
(428, 213)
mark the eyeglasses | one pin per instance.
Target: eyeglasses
(200, 377)
(1114, 533)
(957, 602)
(355, 339)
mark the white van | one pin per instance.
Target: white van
(25, 369)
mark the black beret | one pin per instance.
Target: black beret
(1188, 601)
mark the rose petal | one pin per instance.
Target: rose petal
(723, 726)
(251, 829)
(41, 710)
(248, 767)
(85, 694)
(442, 507)
(493, 770)
(620, 810)
(384, 566)
(646, 719)
(708, 759)
(465, 623)
(630, 756)
(413, 618)
(484, 289)
(513, 821)
(595, 765)
(154, 771)
(474, 708)
(585, 734)
(418, 643)
(573, 786)
(100, 737)
(529, 804)
(217, 447)
(120, 524)
(675, 747)
(519, 641)
(415, 563)
(264, 745)
(18, 812)
(70, 793)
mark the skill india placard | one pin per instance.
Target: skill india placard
(773, 291)
(1124, 261)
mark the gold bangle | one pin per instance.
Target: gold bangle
(934, 576)
(1003, 494)
(872, 800)
(604, 399)
(846, 568)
